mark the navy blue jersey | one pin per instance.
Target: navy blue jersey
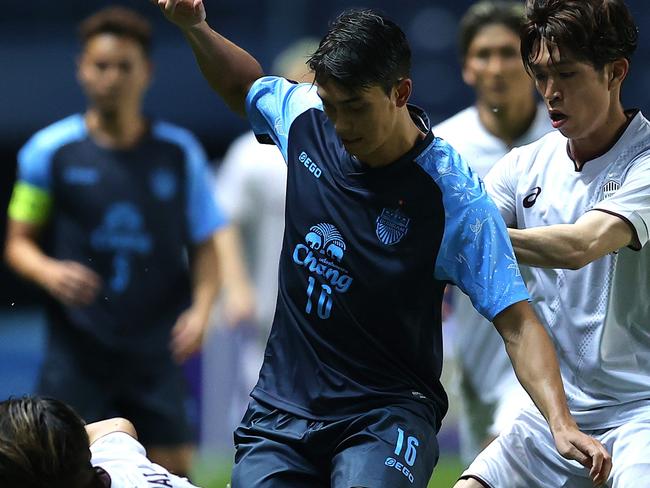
(366, 255)
(131, 216)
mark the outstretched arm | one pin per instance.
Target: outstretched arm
(535, 363)
(572, 246)
(105, 427)
(229, 69)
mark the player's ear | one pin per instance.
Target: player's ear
(618, 70)
(403, 90)
(468, 76)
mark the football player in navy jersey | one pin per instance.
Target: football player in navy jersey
(124, 200)
(380, 215)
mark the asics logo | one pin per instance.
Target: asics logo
(531, 198)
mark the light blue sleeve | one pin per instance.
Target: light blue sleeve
(35, 157)
(203, 214)
(273, 104)
(475, 253)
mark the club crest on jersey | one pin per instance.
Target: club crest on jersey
(163, 183)
(392, 226)
(610, 187)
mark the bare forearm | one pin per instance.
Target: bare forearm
(26, 258)
(205, 276)
(556, 246)
(231, 258)
(533, 357)
(229, 69)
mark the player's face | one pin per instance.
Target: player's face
(114, 72)
(579, 98)
(364, 119)
(493, 67)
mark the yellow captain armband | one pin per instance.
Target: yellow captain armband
(29, 203)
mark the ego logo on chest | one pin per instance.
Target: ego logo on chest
(309, 164)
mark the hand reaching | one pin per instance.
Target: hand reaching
(183, 13)
(573, 444)
(72, 283)
(187, 334)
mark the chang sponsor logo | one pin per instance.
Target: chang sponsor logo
(321, 255)
(123, 233)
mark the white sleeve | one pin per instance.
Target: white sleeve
(501, 186)
(125, 461)
(232, 178)
(631, 201)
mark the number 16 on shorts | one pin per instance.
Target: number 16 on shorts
(406, 447)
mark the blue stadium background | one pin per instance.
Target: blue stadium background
(38, 46)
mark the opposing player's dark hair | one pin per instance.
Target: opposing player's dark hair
(593, 31)
(43, 442)
(362, 48)
(489, 12)
(120, 21)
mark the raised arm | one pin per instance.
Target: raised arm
(572, 246)
(535, 363)
(229, 69)
(105, 427)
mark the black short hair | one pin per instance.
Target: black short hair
(362, 48)
(594, 31)
(510, 14)
(43, 442)
(120, 21)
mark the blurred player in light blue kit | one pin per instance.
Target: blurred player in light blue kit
(128, 254)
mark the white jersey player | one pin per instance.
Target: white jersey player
(44, 442)
(125, 462)
(505, 115)
(579, 204)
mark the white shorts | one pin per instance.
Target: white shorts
(524, 456)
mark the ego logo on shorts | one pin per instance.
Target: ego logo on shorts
(409, 455)
(309, 164)
(394, 463)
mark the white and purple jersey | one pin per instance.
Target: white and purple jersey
(598, 315)
(125, 461)
(366, 256)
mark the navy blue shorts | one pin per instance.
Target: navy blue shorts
(388, 447)
(149, 390)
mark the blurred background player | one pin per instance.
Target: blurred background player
(250, 188)
(125, 203)
(44, 442)
(506, 114)
(578, 202)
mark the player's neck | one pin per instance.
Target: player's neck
(403, 138)
(598, 142)
(116, 129)
(508, 122)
